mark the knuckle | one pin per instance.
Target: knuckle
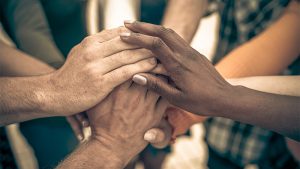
(156, 86)
(134, 24)
(86, 41)
(88, 55)
(191, 54)
(121, 29)
(162, 30)
(170, 31)
(91, 72)
(106, 31)
(157, 43)
(177, 71)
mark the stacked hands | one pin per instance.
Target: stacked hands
(130, 113)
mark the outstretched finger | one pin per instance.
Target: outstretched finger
(170, 37)
(124, 73)
(157, 85)
(156, 45)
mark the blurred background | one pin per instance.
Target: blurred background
(48, 29)
(79, 19)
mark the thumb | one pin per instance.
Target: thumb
(156, 84)
(157, 137)
(160, 137)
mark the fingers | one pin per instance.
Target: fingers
(155, 97)
(157, 85)
(171, 38)
(156, 45)
(124, 73)
(159, 137)
(160, 69)
(109, 34)
(76, 127)
(124, 58)
(114, 46)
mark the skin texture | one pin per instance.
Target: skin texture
(14, 63)
(271, 52)
(170, 55)
(217, 98)
(283, 85)
(185, 25)
(117, 128)
(93, 63)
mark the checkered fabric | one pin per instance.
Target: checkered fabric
(244, 144)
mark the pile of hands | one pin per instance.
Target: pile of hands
(131, 76)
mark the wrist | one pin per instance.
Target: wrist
(53, 96)
(111, 150)
(45, 94)
(222, 99)
(228, 101)
(22, 98)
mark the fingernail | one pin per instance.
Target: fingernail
(125, 34)
(79, 137)
(85, 123)
(139, 79)
(129, 21)
(153, 61)
(150, 136)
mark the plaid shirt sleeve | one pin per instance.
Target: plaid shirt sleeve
(241, 21)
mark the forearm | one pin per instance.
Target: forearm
(284, 85)
(93, 154)
(183, 16)
(22, 98)
(274, 112)
(17, 63)
(270, 52)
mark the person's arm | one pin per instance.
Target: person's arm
(17, 63)
(188, 70)
(118, 124)
(270, 52)
(96, 66)
(267, 54)
(283, 85)
(183, 16)
(94, 154)
(20, 94)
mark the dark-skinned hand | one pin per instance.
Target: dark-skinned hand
(197, 86)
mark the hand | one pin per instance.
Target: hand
(198, 86)
(122, 118)
(159, 137)
(93, 69)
